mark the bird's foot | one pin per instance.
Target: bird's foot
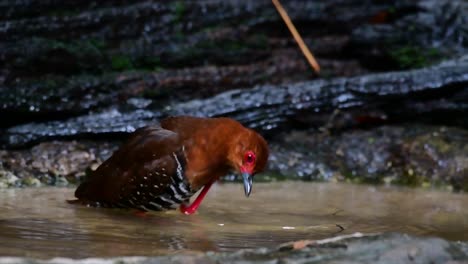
(187, 209)
(190, 209)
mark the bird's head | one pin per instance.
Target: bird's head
(248, 156)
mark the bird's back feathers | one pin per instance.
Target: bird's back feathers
(150, 164)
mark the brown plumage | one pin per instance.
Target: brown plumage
(160, 167)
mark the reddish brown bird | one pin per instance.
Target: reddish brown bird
(160, 167)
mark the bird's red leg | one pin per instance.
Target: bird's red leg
(194, 206)
(140, 213)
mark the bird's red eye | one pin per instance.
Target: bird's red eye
(249, 157)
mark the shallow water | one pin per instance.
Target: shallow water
(39, 223)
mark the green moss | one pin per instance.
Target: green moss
(79, 48)
(60, 181)
(155, 93)
(351, 177)
(414, 57)
(150, 63)
(179, 10)
(31, 182)
(50, 54)
(212, 28)
(233, 46)
(391, 10)
(260, 41)
(63, 12)
(98, 44)
(121, 63)
(159, 69)
(433, 52)
(51, 83)
(464, 181)
(440, 144)
(410, 178)
(254, 42)
(179, 35)
(213, 50)
(8, 179)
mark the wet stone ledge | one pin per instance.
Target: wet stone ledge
(410, 155)
(354, 248)
(62, 97)
(52, 163)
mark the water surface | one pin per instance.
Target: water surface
(39, 223)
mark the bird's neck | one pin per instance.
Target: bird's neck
(208, 145)
(206, 156)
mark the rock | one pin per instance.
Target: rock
(436, 156)
(424, 95)
(354, 248)
(411, 155)
(299, 163)
(61, 97)
(31, 182)
(54, 163)
(403, 35)
(8, 179)
(387, 248)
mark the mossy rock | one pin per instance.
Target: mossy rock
(31, 182)
(8, 179)
(61, 57)
(409, 57)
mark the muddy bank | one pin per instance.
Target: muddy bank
(386, 248)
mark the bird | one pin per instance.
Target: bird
(162, 166)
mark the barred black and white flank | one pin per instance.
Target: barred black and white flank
(159, 184)
(148, 196)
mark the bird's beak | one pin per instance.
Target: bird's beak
(247, 183)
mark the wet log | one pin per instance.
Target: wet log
(62, 97)
(437, 92)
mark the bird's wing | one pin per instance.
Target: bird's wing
(144, 161)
